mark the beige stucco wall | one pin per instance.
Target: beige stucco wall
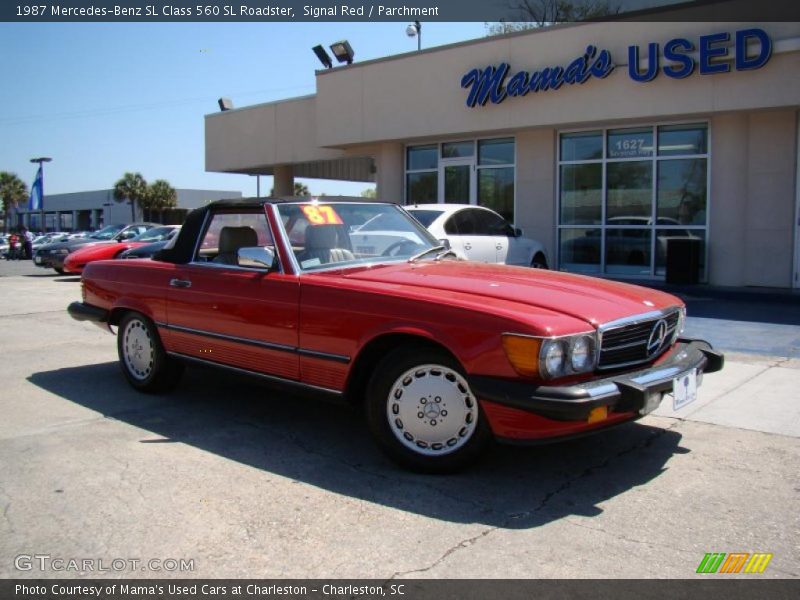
(266, 134)
(535, 206)
(752, 198)
(420, 96)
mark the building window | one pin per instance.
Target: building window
(422, 174)
(624, 193)
(463, 172)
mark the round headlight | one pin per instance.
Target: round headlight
(581, 356)
(553, 357)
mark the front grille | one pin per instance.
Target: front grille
(628, 344)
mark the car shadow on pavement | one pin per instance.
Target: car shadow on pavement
(328, 446)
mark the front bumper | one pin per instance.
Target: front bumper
(50, 261)
(622, 392)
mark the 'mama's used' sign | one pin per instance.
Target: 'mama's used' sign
(496, 83)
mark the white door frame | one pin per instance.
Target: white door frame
(459, 162)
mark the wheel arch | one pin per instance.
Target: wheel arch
(123, 306)
(374, 350)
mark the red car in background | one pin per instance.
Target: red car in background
(76, 261)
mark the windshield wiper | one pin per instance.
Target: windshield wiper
(442, 252)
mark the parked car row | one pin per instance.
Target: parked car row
(53, 255)
(81, 256)
(359, 301)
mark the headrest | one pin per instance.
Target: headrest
(233, 238)
(321, 236)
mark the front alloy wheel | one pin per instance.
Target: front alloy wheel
(423, 413)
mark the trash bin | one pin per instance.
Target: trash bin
(683, 260)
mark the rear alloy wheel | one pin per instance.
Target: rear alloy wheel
(142, 357)
(422, 412)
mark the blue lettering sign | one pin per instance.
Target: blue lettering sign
(652, 63)
(494, 85)
(709, 50)
(743, 62)
(489, 84)
(486, 84)
(673, 50)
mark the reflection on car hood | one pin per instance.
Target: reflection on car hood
(590, 299)
(73, 244)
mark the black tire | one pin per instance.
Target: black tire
(142, 358)
(59, 270)
(539, 262)
(384, 408)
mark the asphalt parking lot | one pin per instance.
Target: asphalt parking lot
(248, 482)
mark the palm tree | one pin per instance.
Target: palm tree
(13, 192)
(131, 187)
(160, 195)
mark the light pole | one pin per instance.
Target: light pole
(415, 30)
(41, 160)
(258, 184)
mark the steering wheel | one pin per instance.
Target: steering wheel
(396, 248)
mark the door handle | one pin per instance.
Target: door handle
(180, 283)
(499, 246)
(467, 246)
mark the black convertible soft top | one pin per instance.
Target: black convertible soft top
(182, 251)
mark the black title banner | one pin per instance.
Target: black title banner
(394, 10)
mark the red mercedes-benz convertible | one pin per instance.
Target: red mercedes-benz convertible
(357, 300)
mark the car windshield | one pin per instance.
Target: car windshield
(106, 233)
(426, 217)
(352, 233)
(156, 234)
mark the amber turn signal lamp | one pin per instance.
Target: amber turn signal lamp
(523, 354)
(598, 414)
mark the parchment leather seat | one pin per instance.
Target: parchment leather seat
(230, 240)
(326, 242)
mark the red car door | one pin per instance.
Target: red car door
(222, 312)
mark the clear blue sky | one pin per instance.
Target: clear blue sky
(101, 99)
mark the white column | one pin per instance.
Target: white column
(389, 173)
(283, 180)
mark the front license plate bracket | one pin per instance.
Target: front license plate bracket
(684, 389)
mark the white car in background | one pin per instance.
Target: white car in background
(480, 234)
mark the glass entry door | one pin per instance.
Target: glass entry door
(457, 181)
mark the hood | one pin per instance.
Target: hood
(95, 245)
(70, 244)
(590, 299)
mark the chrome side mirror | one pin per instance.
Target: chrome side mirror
(257, 257)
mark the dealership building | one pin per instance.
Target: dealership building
(610, 142)
(80, 211)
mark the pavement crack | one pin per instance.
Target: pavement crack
(631, 540)
(587, 472)
(465, 543)
(513, 519)
(296, 441)
(33, 314)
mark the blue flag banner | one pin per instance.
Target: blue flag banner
(37, 191)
